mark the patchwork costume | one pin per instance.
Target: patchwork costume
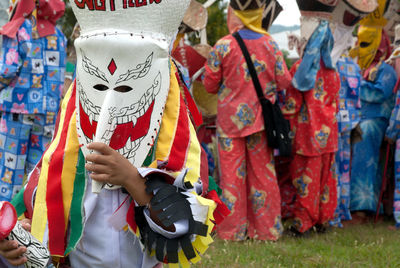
(246, 163)
(348, 118)
(125, 95)
(31, 80)
(345, 16)
(311, 106)
(377, 102)
(393, 131)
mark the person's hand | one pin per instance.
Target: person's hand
(10, 249)
(109, 166)
(389, 140)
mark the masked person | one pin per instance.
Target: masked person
(311, 105)
(377, 101)
(345, 16)
(247, 172)
(123, 170)
(31, 78)
(392, 132)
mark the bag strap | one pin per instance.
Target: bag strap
(250, 65)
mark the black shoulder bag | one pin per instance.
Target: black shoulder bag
(277, 128)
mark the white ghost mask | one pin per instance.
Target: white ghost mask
(123, 72)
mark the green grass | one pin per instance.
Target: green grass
(354, 246)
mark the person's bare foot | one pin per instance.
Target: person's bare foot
(393, 228)
(358, 217)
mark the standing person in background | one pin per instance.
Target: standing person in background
(31, 82)
(247, 172)
(311, 106)
(393, 130)
(377, 102)
(349, 102)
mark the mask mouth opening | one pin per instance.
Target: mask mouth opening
(364, 44)
(350, 19)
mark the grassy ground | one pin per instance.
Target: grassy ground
(354, 246)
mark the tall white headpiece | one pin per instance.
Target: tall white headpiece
(123, 74)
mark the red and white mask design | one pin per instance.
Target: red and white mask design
(120, 98)
(123, 73)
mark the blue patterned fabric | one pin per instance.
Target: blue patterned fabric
(23, 139)
(348, 117)
(393, 129)
(392, 133)
(349, 101)
(32, 72)
(318, 48)
(342, 211)
(377, 98)
(366, 179)
(377, 101)
(31, 84)
(396, 201)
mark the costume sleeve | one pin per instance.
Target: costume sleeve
(393, 129)
(283, 77)
(11, 60)
(381, 88)
(180, 205)
(293, 98)
(213, 69)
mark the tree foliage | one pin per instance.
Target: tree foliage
(216, 27)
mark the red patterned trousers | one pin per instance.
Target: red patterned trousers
(250, 189)
(315, 180)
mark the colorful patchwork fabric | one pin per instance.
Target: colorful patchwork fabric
(342, 211)
(396, 201)
(59, 200)
(23, 139)
(239, 110)
(349, 101)
(32, 72)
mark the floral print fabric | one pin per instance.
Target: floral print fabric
(250, 189)
(315, 180)
(312, 114)
(239, 110)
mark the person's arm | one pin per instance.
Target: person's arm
(293, 98)
(111, 167)
(393, 129)
(381, 88)
(283, 77)
(11, 60)
(213, 69)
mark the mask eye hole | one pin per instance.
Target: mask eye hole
(100, 87)
(123, 89)
(364, 44)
